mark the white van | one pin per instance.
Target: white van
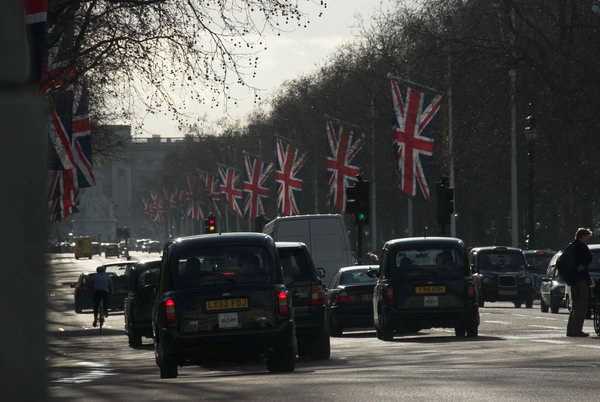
(325, 235)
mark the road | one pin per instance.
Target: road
(521, 354)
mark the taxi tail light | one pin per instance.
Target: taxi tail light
(388, 294)
(470, 289)
(283, 304)
(344, 297)
(317, 296)
(170, 315)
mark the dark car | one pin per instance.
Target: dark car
(142, 281)
(552, 289)
(222, 296)
(308, 297)
(83, 292)
(111, 250)
(350, 299)
(153, 247)
(502, 275)
(538, 261)
(424, 283)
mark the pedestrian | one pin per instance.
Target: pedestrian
(579, 286)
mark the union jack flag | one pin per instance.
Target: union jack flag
(212, 189)
(147, 208)
(413, 141)
(290, 163)
(159, 210)
(194, 211)
(82, 138)
(229, 178)
(258, 172)
(62, 195)
(344, 145)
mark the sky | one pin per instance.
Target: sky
(289, 55)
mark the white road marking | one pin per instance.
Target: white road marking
(589, 346)
(550, 341)
(546, 318)
(545, 327)
(520, 315)
(497, 322)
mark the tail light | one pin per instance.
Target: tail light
(388, 294)
(344, 297)
(283, 304)
(170, 315)
(317, 296)
(470, 290)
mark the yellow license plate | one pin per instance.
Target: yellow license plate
(226, 304)
(430, 289)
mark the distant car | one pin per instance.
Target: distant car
(154, 247)
(96, 247)
(82, 296)
(222, 297)
(111, 250)
(552, 289)
(308, 297)
(142, 281)
(350, 299)
(502, 275)
(424, 283)
(537, 262)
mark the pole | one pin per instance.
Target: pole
(531, 212)
(410, 217)
(316, 188)
(451, 147)
(513, 159)
(373, 202)
(359, 243)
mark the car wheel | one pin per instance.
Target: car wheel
(135, 339)
(282, 359)
(543, 306)
(596, 321)
(321, 347)
(166, 363)
(529, 303)
(481, 303)
(460, 331)
(78, 308)
(473, 330)
(517, 304)
(334, 328)
(553, 307)
(387, 332)
(76, 258)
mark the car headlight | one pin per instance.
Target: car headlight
(527, 280)
(486, 280)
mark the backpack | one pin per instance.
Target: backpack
(565, 265)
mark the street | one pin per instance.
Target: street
(521, 354)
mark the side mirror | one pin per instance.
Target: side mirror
(373, 273)
(287, 280)
(321, 272)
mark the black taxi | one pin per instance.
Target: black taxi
(502, 274)
(222, 297)
(424, 283)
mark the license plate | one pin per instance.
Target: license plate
(228, 320)
(431, 301)
(507, 292)
(430, 289)
(367, 297)
(226, 304)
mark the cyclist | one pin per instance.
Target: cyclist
(102, 286)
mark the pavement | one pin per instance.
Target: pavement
(521, 354)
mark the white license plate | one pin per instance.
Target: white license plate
(507, 292)
(431, 301)
(228, 320)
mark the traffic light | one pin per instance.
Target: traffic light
(210, 224)
(357, 201)
(445, 201)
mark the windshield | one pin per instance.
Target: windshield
(356, 277)
(219, 265)
(501, 261)
(539, 262)
(437, 260)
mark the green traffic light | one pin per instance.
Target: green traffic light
(362, 217)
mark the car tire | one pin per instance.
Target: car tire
(554, 307)
(596, 317)
(387, 332)
(320, 348)
(282, 359)
(135, 339)
(543, 306)
(76, 258)
(481, 303)
(460, 332)
(529, 303)
(473, 330)
(517, 304)
(334, 328)
(166, 362)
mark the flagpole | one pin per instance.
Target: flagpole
(451, 148)
(373, 203)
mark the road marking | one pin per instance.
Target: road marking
(545, 327)
(497, 322)
(589, 346)
(520, 315)
(550, 341)
(546, 318)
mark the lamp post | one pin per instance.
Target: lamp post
(530, 135)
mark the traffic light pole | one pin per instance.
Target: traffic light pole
(359, 243)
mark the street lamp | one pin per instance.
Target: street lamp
(530, 136)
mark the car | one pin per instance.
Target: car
(222, 297)
(308, 297)
(552, 288)
(111, 250)
(537, 262)
(153, 247)
(424, 282)
(502, 275)
(594, 270)
(82, 295)
(350, 299)
(142, 282)
(97, 248)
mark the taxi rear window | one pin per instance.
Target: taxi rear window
(501, 260)
(441, 259)
(355, 277)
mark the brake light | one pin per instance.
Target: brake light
(388, 294)
(170, 315)
(470, 290)
(344, 297)
(283, 304)
(317, 296)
